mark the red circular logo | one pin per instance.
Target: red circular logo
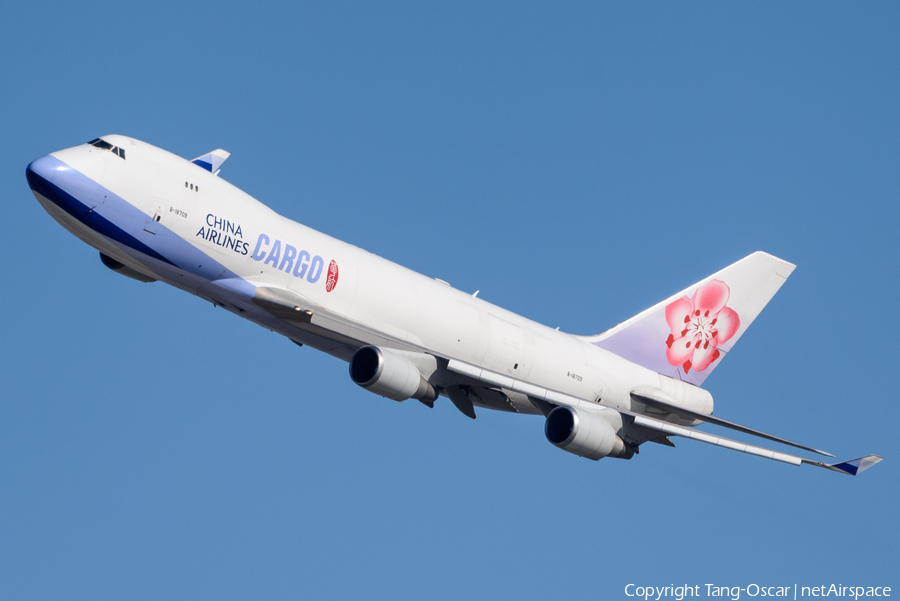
(331, 282)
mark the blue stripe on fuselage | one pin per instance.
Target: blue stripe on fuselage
(82, 212)
(58, 182)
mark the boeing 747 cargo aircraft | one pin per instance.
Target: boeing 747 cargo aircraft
(155, 216)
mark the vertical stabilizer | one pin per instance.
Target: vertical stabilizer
(686, 336)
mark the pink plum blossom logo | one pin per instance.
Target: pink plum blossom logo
(700, 325)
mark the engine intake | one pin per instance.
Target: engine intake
(584, 434)
(389, 374)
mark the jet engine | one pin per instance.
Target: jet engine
(584, 434)
(389, 374)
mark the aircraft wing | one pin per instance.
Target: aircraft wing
(299, 311)
(544, 396)
(852, 467)
(649, 398)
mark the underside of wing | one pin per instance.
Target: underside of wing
(852, 467)
(649, 398)
(300, 312)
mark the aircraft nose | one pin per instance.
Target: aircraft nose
(40, 170)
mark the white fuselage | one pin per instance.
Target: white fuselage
(219, 243)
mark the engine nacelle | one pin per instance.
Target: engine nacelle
(389, 374)
(584, 434)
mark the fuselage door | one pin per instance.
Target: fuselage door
(154, 217)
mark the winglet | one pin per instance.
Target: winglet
(854, 467)
(211, 161)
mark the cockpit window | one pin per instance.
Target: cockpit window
(104, 145)
(101, 144)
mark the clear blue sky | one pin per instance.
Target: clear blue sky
(576, 163)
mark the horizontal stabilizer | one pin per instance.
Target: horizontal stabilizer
(211, 161)
(661, 405)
